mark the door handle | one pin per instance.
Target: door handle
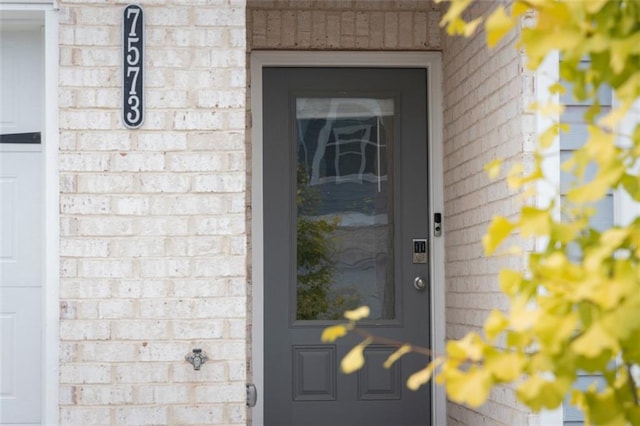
(419, 283)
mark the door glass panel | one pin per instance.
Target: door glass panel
(344, 198)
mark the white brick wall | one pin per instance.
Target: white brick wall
(484, 119)
(153, 222)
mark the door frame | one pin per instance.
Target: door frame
(45, 13)
(432, 62)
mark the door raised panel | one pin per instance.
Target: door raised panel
(20, 363)
(376, 382)
(314, 373)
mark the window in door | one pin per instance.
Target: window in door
(344, 206)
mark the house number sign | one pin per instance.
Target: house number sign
(133, 69)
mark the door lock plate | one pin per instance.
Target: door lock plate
(420, 250)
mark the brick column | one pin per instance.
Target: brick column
(153, 220)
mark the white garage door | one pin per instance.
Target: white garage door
(21, 217)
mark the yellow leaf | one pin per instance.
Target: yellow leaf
(470, 27)
(606, 407)
(499, 229)
(612, 119)
(538, 42)
(627, 92)
(623, 320)
(333, 333)
(554, 331)
(557, 88)
(565, 232)
(505, 367)
(590, 192)
(404, 349)
(610, 240)
(601, 144)
(510, 281)
(470, 347)
(354, 360)
(540, 393)
(457, 26)
(421, 377)
(493, 168)
(456, 9)
(521, 317)
(511, 251)
(535, 222)
(495, 324)
(514, 176)
(551, 109)
(594, 341)
(599, 185)
(471, 387)
(548, 137)
(357, 314)
(594, 6)
(498, 25)
(519, 9)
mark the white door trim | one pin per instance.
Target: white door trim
(47, 16)
(432, 61)
(52, 223)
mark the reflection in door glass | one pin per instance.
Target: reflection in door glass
(344, 199)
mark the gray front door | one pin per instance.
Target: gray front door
(346, 207)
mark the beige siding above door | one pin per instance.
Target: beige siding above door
(336, 25)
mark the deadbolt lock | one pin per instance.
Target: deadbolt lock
(420, 250)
